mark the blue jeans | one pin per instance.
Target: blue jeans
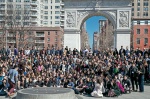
(141, 83)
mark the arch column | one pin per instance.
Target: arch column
(72, 39)
(122, 38)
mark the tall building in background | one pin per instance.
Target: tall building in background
(140, 24)
(84, 38)
(17, 15)
(101, 24)
(48, 13)
(95, 40)
(106, 35)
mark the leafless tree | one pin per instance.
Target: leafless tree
(106, 38)
(16, 21)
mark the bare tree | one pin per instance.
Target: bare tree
(106, 38)
(16, 21)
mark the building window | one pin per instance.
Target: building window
(145, 14)
(138, 3)
(18, 0)
(56, 33)
(138, 13)
(138, 40)
(48, 33)
(18, 17)
(132, 14)
(138, 22)
(26, 0)
(145, 8)
(146, 31)
(132, 4)
(18, 6)
(56, 22)
(57, 1)
(46, 7)
(57, 12)
(138, 9)
(146, 41)
(46, 1)
(45, 17)
(132, 9)
(55, 39)
(48, 39)
(145, 3)
(48, 45)
(45, 12)
(57, 7)
(56, 17)
(138, 31)
(146, 22)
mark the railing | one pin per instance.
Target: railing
(40, 35)
(2, 13)
(2, 1)
(2, 7)
(62, 18)
(33, 13)
(34, 2)
(11, 41)
(11, 35)
(39, 41)
(33, 8)
(62, 13)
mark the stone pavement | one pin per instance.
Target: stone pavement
(133, 95)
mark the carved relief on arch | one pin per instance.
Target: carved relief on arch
(81, 14)
(112, 14)
(124, 19)
(71, 19)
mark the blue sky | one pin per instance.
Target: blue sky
(92, 26)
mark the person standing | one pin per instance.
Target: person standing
(122, 51)
(133, 71)
(12, 80)
(141, 78)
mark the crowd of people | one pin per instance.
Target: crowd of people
(97, 73)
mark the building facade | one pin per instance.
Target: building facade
(19, 18)
(106, 34)
(95, 40)
(40, 37)
(40, 12)
(140, 37)
(84, 38)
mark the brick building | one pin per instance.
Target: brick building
(140, 36)
(40, 37)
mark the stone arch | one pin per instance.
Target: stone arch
(110, 15)
(78, 11)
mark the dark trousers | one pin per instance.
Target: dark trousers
(134, 82)
(141, 83)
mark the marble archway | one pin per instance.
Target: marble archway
(117, 11)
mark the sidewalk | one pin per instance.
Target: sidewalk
(133, 95)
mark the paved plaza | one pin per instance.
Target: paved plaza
(133, 95)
